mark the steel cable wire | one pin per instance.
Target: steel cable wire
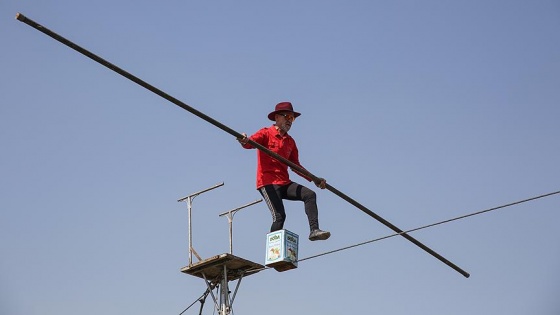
(431, 225)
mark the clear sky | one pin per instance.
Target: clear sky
(420, 110)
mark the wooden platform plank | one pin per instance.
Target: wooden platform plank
(213, 267)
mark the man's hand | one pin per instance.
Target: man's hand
(321, 183)
(243, 140)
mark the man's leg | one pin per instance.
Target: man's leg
(273, 198)
(296, 191)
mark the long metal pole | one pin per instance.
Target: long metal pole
(189, 215)
(224, 298)
(234, 133)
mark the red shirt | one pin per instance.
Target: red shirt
(269, 170)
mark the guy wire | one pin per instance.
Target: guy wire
(431, 225)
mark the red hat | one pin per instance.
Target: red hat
(282, 107)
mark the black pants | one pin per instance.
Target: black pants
(273, 195)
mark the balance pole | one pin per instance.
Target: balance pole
(20, 17)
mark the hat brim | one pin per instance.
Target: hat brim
(272, 115)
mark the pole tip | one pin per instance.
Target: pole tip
(20, 16)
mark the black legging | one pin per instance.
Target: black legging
(273, 195)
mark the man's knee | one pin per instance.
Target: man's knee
(309, 194)
(278, 217)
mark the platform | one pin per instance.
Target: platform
(213, 267)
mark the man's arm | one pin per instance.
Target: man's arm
(294, 157)
(258, 137)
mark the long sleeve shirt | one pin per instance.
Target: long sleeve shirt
(269, 170)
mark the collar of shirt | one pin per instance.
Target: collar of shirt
(277, 132)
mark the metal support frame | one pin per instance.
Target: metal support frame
(217, 271)
(229, 214)
(224, 303)
(189, 200)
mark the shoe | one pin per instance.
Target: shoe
(318, 235)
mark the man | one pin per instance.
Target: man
(273, 181)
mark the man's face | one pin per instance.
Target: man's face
(284, 120)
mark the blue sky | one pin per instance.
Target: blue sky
(420, 110)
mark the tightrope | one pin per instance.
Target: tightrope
(432, 225)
